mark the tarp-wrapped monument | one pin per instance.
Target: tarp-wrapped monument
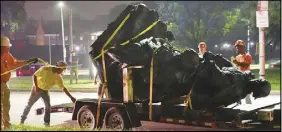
(137, 36)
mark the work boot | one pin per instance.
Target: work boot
(47, 124)
(22, 122)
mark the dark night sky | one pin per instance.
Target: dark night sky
(49, 10)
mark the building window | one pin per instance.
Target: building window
(81, 38)
(66, 37)
(92, 37)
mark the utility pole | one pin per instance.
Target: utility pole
(63, 34)
(262, 22)
(248, 48)
(50, 55)
(71, 45)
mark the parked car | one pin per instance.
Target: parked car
(28, 70)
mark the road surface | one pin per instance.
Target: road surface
(19, 100)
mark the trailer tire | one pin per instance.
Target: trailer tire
(115, 119)
(86, 117)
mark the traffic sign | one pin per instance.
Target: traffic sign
(262, 18)
(263, 5)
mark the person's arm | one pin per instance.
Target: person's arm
(2, 67)
(243, 64)
(95, 79)
(70, 96)
(35, 84)
(60, 83)
(247, 62)
(39, 73)
(19, 63)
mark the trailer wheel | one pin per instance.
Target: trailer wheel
(114, 119)
(86, 117)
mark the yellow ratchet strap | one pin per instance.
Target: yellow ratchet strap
(126, 42)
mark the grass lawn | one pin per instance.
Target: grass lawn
(36, 128)
(52, 128)
(26, 82)
(273, 76)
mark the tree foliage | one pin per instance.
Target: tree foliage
(196, 21)
(13, 15)
(272, 33)
(215, 21)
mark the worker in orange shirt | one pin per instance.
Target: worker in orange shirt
(8, 62)
(242, 61)
(202, 49)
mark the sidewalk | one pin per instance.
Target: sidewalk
(87, 90)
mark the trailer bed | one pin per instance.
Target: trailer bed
(222, 118)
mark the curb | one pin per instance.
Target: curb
(274, 92)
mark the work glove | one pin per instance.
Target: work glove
(33, 60)
(73, 99)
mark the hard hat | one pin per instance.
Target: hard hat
(239, 43)
(5, 41)
(202, 45)
(62, 64)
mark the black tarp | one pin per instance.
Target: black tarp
(213, 79)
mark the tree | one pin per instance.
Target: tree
(272, 33)
(13, 15)
(196, 21)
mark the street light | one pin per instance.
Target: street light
(215, 46)
(77, 48)
(61, 5)
(225, 47)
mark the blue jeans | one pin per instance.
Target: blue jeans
(32, 99)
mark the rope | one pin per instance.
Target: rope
(143, 32)
(104, 68)
(115, 32)
(151, 88)
(39, 59)
(103, 59)
(187, 100)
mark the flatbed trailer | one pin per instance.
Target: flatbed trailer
(127, 114)
(120, 115)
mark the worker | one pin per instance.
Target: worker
(43, 80)
(242, 61)
(202, 49)
(8, 63)
(74, 67)
(99, 85)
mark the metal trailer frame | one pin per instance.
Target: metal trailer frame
(130, 113)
